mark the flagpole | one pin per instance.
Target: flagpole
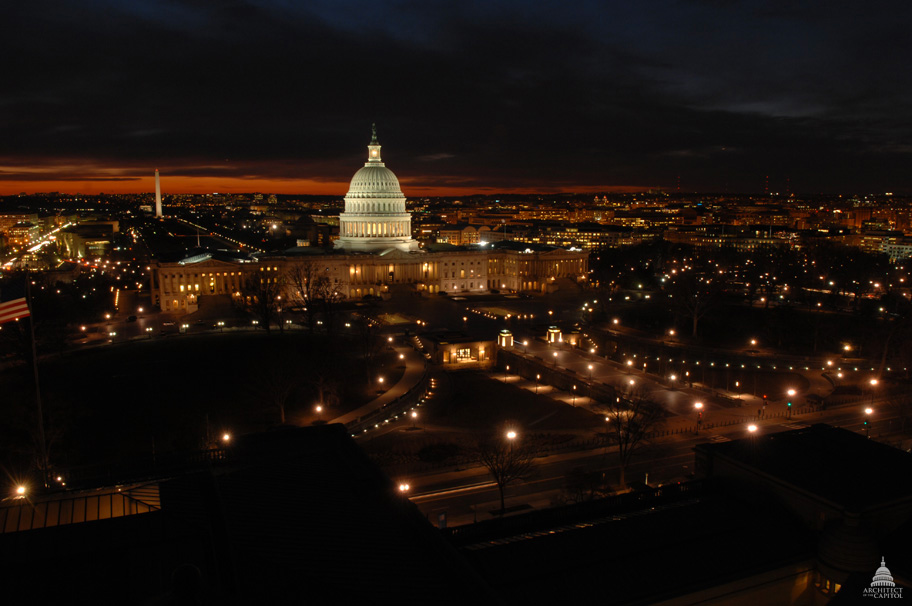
(42, 444)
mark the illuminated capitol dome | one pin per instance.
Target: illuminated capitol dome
(375, 219)
(374, 251)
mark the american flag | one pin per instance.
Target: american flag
(13, 310)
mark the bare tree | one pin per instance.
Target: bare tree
(505, 461)
(901, 405)
(367, 332)
(327, 385)
(325, 293)
(302, 282)
(695, 295)
(261, 295)
(276, 377)
(631, 418)
(581, 485)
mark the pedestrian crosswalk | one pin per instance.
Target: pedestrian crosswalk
(794, 425)
(719, 439)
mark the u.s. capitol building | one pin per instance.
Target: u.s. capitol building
(375, 250)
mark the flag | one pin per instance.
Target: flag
(13, 310)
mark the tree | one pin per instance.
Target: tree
(324, 293)
(302, 281)
(261, 295)
(581, 485)
(276, 378)
(901, 405)
(694, 295)
(506, 461)
(631, 418)
(367, 334)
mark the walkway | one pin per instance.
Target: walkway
(414, 370)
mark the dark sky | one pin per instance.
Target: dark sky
(273, 95)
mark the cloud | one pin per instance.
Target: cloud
(592, 93)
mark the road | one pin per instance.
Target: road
(468, 495)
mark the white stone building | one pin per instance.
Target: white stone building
(375, 251)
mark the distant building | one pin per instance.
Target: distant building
(374, 251)
(460, 234)
(23, 234)
(9, 219)
(87, 241)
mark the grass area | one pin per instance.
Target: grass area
(117, 401)
(468, 404)
(476, 401)
(395, 318)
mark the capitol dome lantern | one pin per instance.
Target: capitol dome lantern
(375, 219)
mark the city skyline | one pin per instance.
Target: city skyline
(502, 98)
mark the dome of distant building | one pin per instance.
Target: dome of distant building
(375, 219)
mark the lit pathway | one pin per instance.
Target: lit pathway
(414, 370)
(721, 407)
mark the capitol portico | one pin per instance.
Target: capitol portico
(374, 251)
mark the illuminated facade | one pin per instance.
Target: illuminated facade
(375, 251)
(375, 219)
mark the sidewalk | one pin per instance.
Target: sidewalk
(414, 370)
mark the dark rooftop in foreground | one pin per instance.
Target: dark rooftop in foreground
(297, 515)
(870, 473)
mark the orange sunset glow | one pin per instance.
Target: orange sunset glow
(205, 185)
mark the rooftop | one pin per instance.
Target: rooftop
(797, 458)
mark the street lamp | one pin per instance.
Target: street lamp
(629, 366)
(414, 416)
(511, 436)
(867, 424)
(752, 428)
(698, 406)
(505, 373)
(590, 373)
(537, 379)
(573, 403)
(555, 359)
(791, 394)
